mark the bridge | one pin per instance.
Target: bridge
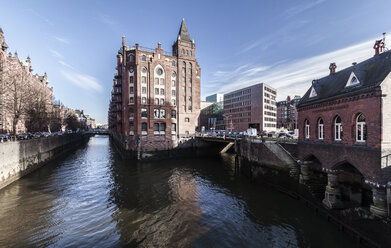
(97, 131)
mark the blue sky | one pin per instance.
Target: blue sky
(285, 44)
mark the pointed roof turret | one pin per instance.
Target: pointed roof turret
(183, 32)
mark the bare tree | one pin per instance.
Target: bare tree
(18, 95)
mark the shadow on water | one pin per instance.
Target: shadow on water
(93, 198)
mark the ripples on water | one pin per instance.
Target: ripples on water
(92, 198)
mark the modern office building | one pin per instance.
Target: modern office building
(215, 98)
(251, 107)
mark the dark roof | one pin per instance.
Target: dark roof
(183, 33)
(370, 74)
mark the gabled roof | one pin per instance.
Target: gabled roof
(370, 74)
(183, 32)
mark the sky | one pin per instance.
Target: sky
(284, 43)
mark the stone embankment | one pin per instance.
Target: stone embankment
(18, 158)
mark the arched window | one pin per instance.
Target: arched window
(361, 128)
(320, 129)
(173, 63)
(187, 52)
(144, 58)
(307, 129)
(337, 128)
(184, 63)
(131, 58)
(191, 53)
(183, 51)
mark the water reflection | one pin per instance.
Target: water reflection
(94, 199)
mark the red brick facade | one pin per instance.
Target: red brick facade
(156, 95)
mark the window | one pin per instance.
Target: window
(184, 63)
(183, 70)
(173, 102)
(173, 114)
(173, 93)
(183, 51)
(161, 101)
(173, 128)
(156, 81)
(156, 101)
(131, 58)
(131, 127)
(320, 129)
(130, 80)
(144, 70)
(190, 108)
(307, 129)
(191, 53)
(159, 71)
(187, 119)
(144, 80)
(337, 128)
(173, 83)
(361, 128)
(189, 70)
(159, 113)
(131, 90)
(131, 100)
(353, 80)
(143, 100)
(144, 113)
(173, 63)
(184, 89)
(131, 114)
(173, 75)
(159, 128)
(156, 91)
(143, 90)
(144, 58)
(144, 128)
(313, 92)
(162, 81)
(187, 52)
(189, 98)
(183, 79)
(190, 89)
(161, 91)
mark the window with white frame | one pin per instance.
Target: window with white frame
(338, 129)
(361, 128)
(320, 129)
(143, 113)
(307, 129)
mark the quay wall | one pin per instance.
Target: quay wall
(19, 158)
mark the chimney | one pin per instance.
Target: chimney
(159, 45)
(332, 68)
(379, 45)
(123, 41)
(354, 63)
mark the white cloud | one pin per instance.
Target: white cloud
(301, 8)
(56, 54)
(62, 40)
(290, 77)
(83, 81)
(65, 64)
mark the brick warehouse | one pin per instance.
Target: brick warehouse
(345, 134)
(155, 100)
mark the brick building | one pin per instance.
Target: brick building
(251, 107)
(287, 115)
(345, 133)
(156, 95)
(19, 85)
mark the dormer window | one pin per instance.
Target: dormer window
(353, 80)
(313, 92)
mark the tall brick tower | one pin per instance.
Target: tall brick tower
(155, 100)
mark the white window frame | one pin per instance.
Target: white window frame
(362, 125)
(337, 129)
(320, 129)
(307, 129)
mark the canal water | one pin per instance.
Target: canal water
(92, 198)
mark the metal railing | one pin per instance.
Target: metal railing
(385, 161)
